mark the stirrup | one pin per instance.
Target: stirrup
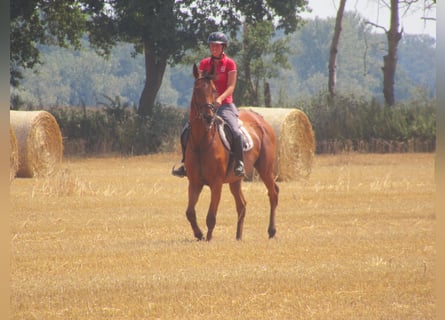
(239, 169)
(180, 172)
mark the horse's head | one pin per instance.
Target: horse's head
(204, 94)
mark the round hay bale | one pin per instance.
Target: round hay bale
(274, 116)
(13, 154)
(297, 146)
(296, 141)
(39, 141)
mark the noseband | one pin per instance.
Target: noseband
(209, 119)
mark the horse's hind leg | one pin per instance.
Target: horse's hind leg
(266, 174)
(194, 192)
(273, 199)
(235, 189)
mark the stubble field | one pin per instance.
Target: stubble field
(107, 238)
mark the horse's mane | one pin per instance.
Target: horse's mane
(209, 75)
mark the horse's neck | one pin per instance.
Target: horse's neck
(199, 131)
(203, 138)
(193, 116)
(197, 126)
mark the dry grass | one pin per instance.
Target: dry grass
(108, 239)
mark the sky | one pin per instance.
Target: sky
(376, 12)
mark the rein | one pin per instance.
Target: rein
(202, 116)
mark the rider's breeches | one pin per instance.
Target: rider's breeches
(229, 113)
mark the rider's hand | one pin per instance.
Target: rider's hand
(218, 102)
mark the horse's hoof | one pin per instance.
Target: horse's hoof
(272, 233)
(180, 172)
(199, 237)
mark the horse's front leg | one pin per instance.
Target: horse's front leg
(194, 192)
(235, 189)
(213, 208)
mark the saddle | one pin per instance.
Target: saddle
(226, 134)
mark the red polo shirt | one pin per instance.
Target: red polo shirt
(223, 67)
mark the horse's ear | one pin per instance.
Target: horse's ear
(195, 71)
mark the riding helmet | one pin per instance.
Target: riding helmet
(217, 37)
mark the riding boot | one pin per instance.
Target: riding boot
(238, 153)
(180, 172)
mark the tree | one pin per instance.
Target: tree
(390, 59)
(359, 73)
(33, 23)
(417, 62)
(260, 58)
(164, 30)
(393, 36)
(81, 77)
(334, 48)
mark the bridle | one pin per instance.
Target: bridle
(202, 114)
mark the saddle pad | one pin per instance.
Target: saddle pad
(247, 138)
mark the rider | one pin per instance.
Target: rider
(225, 82)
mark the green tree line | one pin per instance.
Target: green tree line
(81, 77)
(292, 65)
(162, 30)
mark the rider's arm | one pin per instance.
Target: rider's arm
(231, 83)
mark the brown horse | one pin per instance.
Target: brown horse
(207, 160)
